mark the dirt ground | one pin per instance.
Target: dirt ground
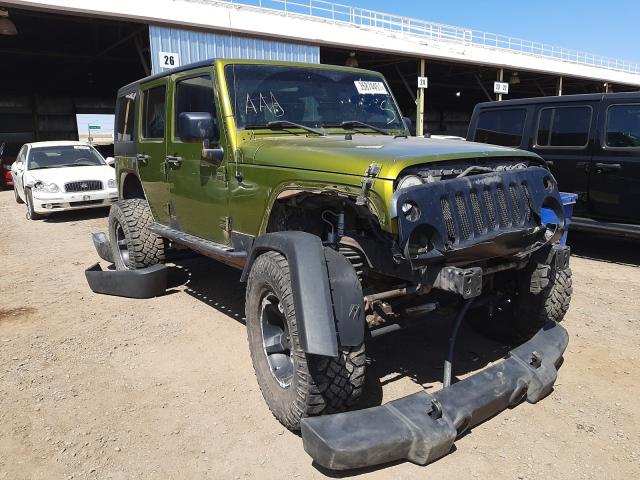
(101, 387)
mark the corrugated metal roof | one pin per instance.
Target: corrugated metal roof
(193, 46)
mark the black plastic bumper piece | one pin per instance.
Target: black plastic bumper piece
(423, 427)
(143, 283)
(103, 246)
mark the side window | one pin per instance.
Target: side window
(564, 127)
(153, 101)
(501, 127)
(126, 118)
(195, 95)
(623, 126)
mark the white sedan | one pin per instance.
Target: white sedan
(57, 176)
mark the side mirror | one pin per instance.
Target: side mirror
(197, 127)
(110, 161)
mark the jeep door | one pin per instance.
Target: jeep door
(151, 148)
(614, 183)
(196, 166)
(562, 138)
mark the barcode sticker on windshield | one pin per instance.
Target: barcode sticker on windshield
(80, 147)
(373, 88)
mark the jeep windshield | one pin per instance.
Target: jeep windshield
(309, 96)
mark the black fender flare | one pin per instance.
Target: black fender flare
(327, 295)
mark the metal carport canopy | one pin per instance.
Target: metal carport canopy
(240, 18)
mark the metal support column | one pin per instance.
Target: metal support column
(420, 110)
(500, 79)
(560, 85)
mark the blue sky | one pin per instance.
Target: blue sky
(105, 122)
(606, 27)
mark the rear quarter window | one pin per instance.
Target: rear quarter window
(125, 119)
(501, 127)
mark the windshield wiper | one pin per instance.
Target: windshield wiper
(350, 124)
(281, 124)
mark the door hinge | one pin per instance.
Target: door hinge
(221, 174)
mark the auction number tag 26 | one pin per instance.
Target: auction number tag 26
(372, 88)
(169, 59)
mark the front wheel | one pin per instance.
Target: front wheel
(529, 298)
(294, 384)
(133, 245)
(31, 214)
(17, 195)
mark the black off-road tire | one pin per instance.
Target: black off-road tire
(319, 385)
(536, 294)
(31, 214)
(19, 201)
(133, 245)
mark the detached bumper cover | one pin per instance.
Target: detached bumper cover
(143, 283)
(423, 427)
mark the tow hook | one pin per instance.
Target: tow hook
(367, 182)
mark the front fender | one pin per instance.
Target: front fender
(327, 296)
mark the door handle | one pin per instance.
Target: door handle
(173, 160)
(607, 167)
(143, 159)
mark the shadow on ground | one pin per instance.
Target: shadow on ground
(77, 215)
(210, 282)
(417, 354)
(604, 248)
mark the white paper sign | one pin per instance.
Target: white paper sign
(373, 88)
(423, 82)
(169, 59)
(500, 87)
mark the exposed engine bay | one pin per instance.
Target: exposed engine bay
(467, 222)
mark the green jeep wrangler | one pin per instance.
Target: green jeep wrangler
(345, 228)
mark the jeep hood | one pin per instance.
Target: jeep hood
(335, 154)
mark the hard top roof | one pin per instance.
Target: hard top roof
(591, 97)
(205, 63)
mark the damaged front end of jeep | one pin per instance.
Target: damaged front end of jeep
(459, 226)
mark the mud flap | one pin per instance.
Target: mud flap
(142, 283)
(423, 427)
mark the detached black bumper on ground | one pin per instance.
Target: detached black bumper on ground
(423, 427)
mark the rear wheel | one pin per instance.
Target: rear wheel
(294, 384)
(528, 299)
(133, 245)
(31, 214)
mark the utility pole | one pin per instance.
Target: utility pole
(420, 110)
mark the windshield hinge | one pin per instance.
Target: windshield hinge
(367, 182)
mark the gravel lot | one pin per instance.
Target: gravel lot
(102, 387)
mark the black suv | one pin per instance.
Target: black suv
(591, 143)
